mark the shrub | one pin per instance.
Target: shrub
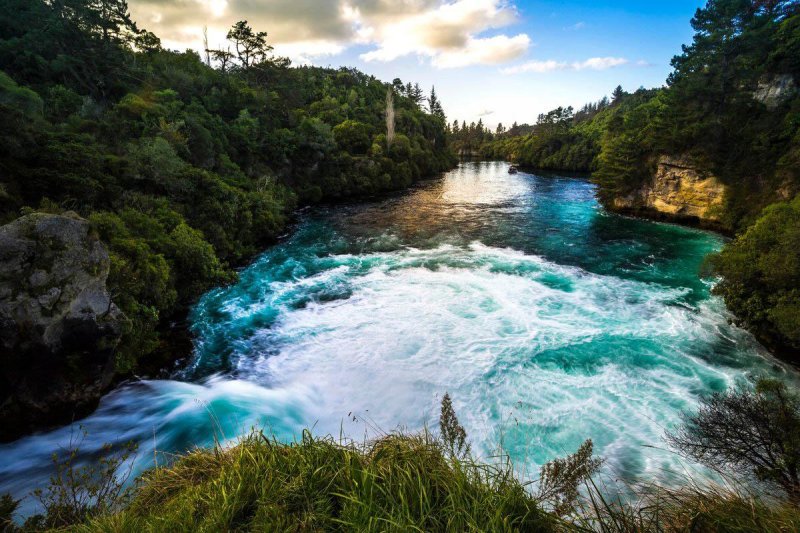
(761, 276)
(353, 136)
(748, 432)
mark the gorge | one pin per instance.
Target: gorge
(548, 320)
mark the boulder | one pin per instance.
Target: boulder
(58, 325)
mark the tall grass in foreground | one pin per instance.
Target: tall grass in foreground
(425, 482)
(404, 483)
(397, 483)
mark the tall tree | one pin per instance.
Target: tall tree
(617, 95)
(251, 46)
(435, 106)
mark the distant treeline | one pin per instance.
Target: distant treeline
(731, 105)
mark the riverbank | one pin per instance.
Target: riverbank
(518, 294)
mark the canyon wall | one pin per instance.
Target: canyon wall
(678, 191)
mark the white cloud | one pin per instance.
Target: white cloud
(540, 67)
(449, 33)
(578, 26)
(489, 51)
(600, 63)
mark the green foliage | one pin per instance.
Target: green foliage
(8, 506)
(184, 169)
(689, 507)
(77, 492)
(733, 108)
(761, 275)
(398, 483)
(353, 137)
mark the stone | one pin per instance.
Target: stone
(679, 190)
(773, 92)
(58, 325)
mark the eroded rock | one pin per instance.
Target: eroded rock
(58, 325)
(679, 190)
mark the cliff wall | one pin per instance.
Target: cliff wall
(678, 191)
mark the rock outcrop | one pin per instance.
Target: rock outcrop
(58, 325)
(679, 191)
(775, 91)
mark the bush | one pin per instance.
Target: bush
(761, 276)
(747, 432)
(353, 136)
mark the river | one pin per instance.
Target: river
(547, 319)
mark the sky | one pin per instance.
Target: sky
(495, 60)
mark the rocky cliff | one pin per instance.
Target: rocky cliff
(678, 191)
(58, 325)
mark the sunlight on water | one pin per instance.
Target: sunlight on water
(548, 320)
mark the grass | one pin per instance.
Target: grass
(397, 483)
(689, 508)
(403, 483)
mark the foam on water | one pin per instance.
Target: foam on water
(547, 320)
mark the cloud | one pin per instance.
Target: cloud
(486, 113)
(449, 33)
(489, 51)
(540, 67)
(577, 26)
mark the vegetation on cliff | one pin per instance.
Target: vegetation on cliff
(185, 166)
(761, 275)
(732, 107)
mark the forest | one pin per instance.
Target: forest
(185, 165)
(730, 105)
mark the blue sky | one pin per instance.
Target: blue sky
(499, 60)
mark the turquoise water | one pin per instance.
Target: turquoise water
(548, 320)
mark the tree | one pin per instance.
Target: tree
(108, 18)
(415, 93)
(748, 431)
(353, 136)
(761, 276)
(617, 95)
(251, 47)
(223, 58)
(147, 42)
(399, 88)
(435, 106)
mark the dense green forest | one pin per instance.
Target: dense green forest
(732, 106)
(186, 165)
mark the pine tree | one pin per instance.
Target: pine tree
(435, 106)
(251, 47)
(617, 95)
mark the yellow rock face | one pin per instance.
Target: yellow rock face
(678, 189)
